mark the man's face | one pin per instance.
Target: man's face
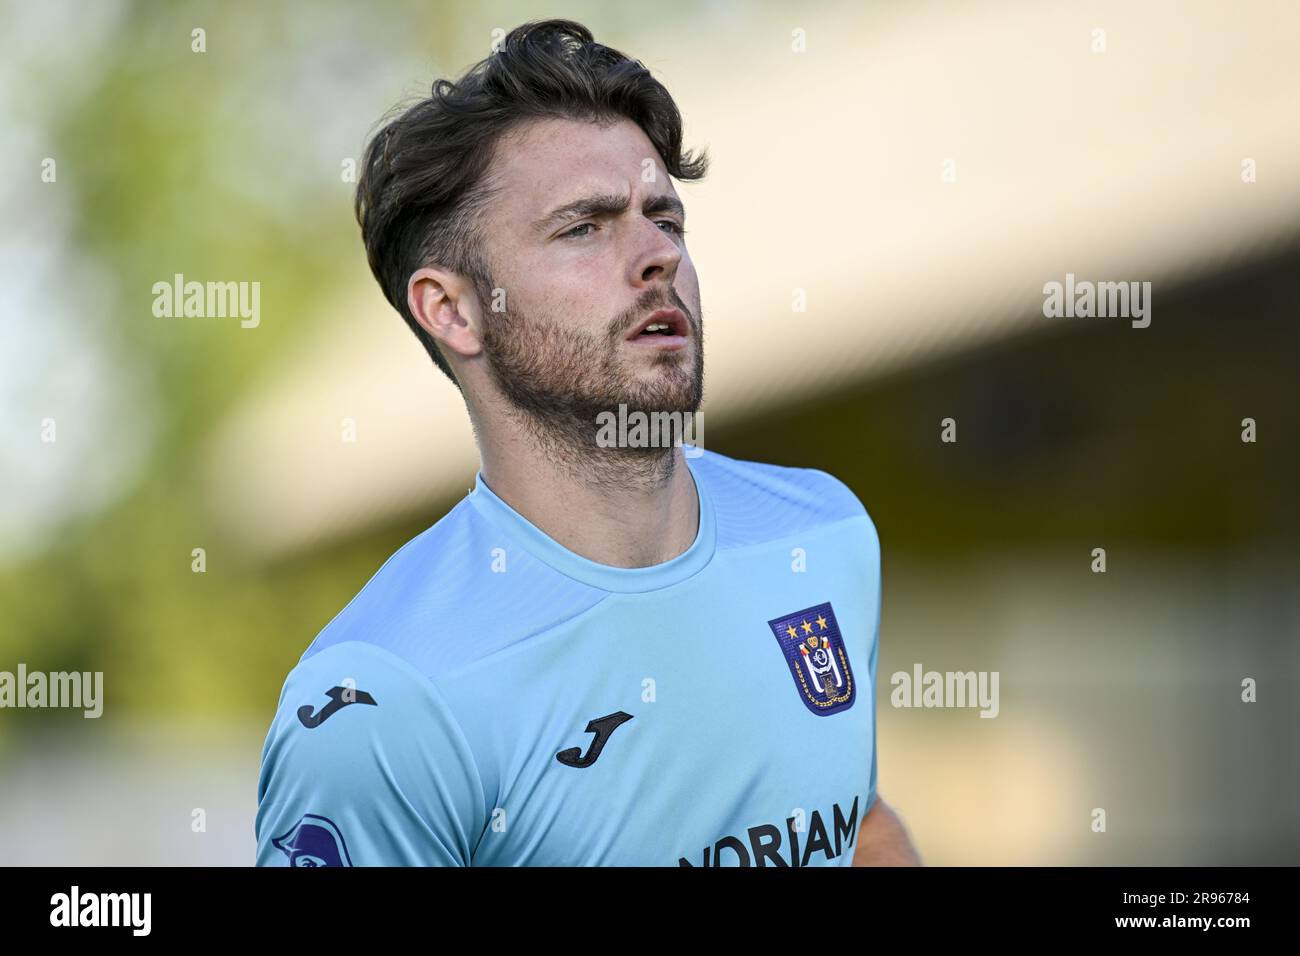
(579, 284)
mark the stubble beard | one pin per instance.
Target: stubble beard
(558, 381)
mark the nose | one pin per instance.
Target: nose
(657, 260)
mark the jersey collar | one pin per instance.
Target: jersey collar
(603, 576)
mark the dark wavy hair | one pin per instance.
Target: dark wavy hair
(422, 187)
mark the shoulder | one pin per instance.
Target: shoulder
(757, 501)
(389, 690)
(454, 593)
(354, 671)
(365, 763)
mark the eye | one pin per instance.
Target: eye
(676, 228)
(573, 232)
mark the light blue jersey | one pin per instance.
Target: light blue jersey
(491, 698)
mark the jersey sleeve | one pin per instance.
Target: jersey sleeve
(879, 581)
(366, 765)
(875, 711)
(852, 505)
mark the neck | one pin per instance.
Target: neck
(627, 508)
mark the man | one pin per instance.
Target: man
(611, 652)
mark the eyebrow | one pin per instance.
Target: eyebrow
(608, 204)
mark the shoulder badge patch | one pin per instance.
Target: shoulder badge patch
(314, 841)
(814, 649)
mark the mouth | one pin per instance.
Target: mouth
(663, 329)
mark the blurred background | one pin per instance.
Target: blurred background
(892, 185)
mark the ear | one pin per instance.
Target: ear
(446, 307)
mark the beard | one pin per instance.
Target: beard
(558, 381)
